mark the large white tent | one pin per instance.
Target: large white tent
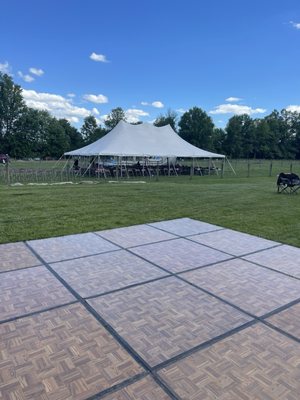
(146, 140)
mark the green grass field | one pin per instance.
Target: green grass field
(245, 204)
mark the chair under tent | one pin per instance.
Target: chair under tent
(288, 183)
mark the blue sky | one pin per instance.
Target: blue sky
(150, 56)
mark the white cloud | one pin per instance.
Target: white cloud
(181, 110)
(157, 104)
(26, 77)
(236, 109)
(293, 108)
(96, 98)
(134, 114)
(232, 99)
(71, 95)
(5, 68)
(295, 24)
(36, 71)
(98, 57)
(59, 106)
(95, 111)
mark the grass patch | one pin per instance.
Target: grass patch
(246, 204)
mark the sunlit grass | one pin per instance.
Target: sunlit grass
(246, 204)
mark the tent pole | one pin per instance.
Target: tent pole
(209, 166)
(214, 165)
(230, 165)
(168, 166)
(192, 168)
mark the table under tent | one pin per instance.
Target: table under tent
(141, 150)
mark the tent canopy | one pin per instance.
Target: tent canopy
(126, 140)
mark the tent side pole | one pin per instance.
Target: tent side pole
(168, 166)
(230, 165)
(214, 165)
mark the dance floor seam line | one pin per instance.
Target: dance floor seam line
(148, 367)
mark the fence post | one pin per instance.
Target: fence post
(248, 169)
(291, 167)
(222, 168)
(7, 172)
(271, 167)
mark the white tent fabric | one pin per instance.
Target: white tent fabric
(126, 140)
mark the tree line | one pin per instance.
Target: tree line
(27, 133)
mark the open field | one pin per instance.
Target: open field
(246, 204)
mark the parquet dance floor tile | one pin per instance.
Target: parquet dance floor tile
(250, 287)
(288, 320)
(164, 318)
(232, 242)
(106, 272)
(135, 235)
(254, 364)
(16, 255)
(145, 389)
(29, 290)
(283, 258)
(179, 255)
(154, 328)
(60, 354)
(72, 246)
(185, 226)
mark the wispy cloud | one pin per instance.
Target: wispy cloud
(296, 25)
(5, 68)
(36, 71)
(98, 57)
(25, 77)
(236, 109)
(180, 110)
(156, 104)
(134, 114)
(57, 105)
(96, 98)
(233, 99)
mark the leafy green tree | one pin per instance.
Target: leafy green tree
(57, 142)
(218, 139)
(240, 137)
(196, 127)
(88, 128)
(29, 138)
(116, 115)
(74, 136)
(12, 106)
(170, 118)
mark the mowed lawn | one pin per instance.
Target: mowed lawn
(246, 204)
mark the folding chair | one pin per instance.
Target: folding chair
(288, 183)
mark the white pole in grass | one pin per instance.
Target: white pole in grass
(230, 165)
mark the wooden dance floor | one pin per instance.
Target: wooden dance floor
(177, 309)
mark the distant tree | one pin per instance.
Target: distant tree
(196, 127)
(88, 128)
(218, 138)
(284, 126)
(12, 106)
(74, 136)
(240, 137)
(116, 115)
(57, 142)
(170, 118)
(30, 136)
